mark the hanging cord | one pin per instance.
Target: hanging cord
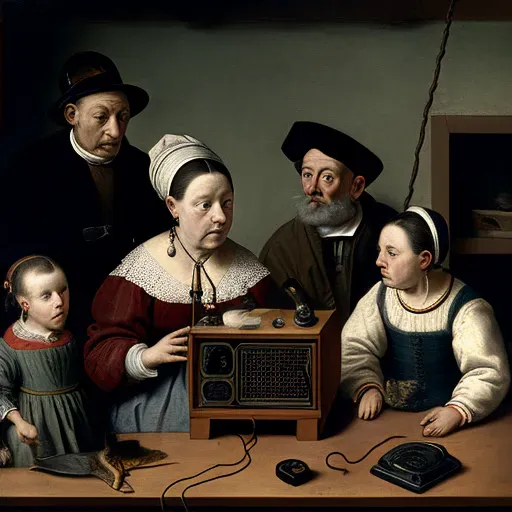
(433, 87)
(198, 265)
(345, 471)
(247, 449)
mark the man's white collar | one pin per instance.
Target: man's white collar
(88, 157)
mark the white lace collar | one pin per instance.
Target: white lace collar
(140, 268)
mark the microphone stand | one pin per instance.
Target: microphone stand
(212, 317)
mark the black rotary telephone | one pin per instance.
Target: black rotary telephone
(416, 466)
(304, 315)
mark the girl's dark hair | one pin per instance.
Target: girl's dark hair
(37, 264)
(418, 233)
(191, 170)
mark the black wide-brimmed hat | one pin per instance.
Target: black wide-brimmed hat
(86, 73)
(306, 135)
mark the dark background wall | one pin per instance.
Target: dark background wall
(237, 79)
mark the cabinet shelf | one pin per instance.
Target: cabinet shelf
(444, 130)
(482, 246)
(470, 164)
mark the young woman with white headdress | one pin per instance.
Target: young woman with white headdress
(422, 339)
(136, 349)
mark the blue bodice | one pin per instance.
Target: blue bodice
(420, 370)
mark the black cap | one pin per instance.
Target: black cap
(89, 72)
(306, 135)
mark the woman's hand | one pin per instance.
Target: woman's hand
(370, 404)
(27, 433)
(170, 349)
(440, 421)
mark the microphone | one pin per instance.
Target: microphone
(304, 315)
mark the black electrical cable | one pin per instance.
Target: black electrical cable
(247, 449)
(345, 471)
(433, 87)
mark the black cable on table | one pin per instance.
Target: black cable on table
(345, 471)
(247, 449)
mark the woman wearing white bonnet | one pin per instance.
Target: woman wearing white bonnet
(422, 340)
(137, 347)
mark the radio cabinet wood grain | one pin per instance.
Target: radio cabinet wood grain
(291, 373)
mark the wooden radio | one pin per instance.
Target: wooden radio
(288, 373)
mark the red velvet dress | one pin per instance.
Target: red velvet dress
(140, 303)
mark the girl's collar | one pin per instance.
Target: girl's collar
(21, 330)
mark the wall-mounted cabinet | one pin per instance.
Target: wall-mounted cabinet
(471, 171)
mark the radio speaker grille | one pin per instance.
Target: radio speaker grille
(256, 374)
(274, 374)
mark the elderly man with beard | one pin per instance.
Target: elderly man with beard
(330, 246)
(82, 195)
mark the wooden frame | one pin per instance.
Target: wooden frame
(441, 128)
(326, 339)
(206, 12)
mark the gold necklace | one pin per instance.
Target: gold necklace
(432, 306)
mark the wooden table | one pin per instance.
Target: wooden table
(485, 451)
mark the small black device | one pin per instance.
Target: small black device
(294, 472)
(278, 322)
(304, 314)
(416, 466)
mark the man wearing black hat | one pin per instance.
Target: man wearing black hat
(82, 195)
(330, 247)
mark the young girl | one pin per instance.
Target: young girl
(421, 339)
(42, 408)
